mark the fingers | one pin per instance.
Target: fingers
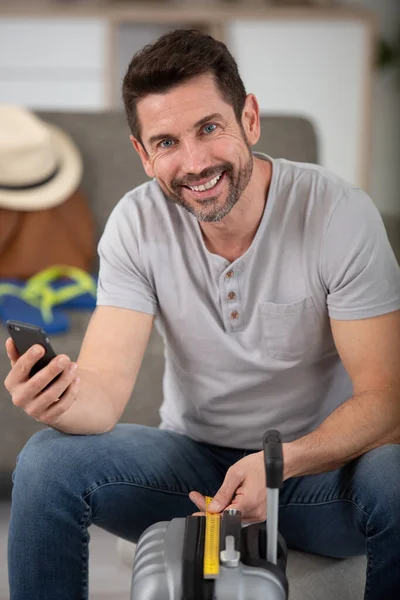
(199, 500)
(23, 365)
(50, 392)
(12, 351)
(45, 382)
(56, 410)
(38, 404)
(233, 479)
(24, 390)
(252, 512)
(243, 489)
(251, 500)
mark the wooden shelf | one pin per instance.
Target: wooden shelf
(175, 12)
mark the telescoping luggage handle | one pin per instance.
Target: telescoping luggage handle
(231, 519)
(273, 458)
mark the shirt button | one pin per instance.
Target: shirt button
(234, 314)
(231, 296)
(229, 274)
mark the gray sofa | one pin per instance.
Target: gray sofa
(111, 168)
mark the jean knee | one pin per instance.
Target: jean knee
(382, 463)
(381, 468)
(41, 460)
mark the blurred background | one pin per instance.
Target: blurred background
(327, 77)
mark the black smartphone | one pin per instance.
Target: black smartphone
(25, 335)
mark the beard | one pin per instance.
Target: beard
(210, 210)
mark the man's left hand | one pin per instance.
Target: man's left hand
(244, 489)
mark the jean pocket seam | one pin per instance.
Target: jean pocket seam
(94, 488)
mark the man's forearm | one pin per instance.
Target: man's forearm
(92, 412)
(364, 422)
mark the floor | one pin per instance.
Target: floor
(108, 578)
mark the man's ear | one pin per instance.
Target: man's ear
(251, 119)
(144, 157)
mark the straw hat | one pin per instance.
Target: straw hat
(40, 166)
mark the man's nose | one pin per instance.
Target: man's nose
(193, 157)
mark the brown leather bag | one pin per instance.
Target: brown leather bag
(34, 240)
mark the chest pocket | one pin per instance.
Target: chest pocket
(290, 331)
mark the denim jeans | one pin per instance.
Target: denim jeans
(133, 476)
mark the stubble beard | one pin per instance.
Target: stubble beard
(212, 211)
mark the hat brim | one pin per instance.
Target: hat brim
(59, 188)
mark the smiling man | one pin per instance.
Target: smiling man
(277, 295)
(203, 162)
(210, 197)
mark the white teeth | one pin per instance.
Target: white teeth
(206, 186)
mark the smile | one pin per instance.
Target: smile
(206, 186)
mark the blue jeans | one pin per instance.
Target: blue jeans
(133, 476)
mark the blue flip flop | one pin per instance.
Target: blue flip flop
(14, 306)
(67, 287)
(39, 299)
(73, 288)
(82, 301)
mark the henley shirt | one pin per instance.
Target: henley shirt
(248, 344)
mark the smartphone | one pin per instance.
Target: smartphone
(25, 335)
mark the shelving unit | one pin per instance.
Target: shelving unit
(313, 61)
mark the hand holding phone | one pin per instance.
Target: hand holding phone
(43, 384)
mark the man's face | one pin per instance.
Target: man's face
(195, 148)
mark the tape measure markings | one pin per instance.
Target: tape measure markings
(211, 544)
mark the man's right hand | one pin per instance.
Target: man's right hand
(44, 405)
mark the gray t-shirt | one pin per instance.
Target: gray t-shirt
(248, 345)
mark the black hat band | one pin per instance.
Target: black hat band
(30, 186)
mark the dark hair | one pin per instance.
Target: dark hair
(175, 58)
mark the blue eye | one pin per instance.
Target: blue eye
(210, 128)
(166, 143)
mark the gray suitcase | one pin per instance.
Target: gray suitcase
(169, 555)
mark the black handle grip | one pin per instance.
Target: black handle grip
(231, 525)
(273, 457)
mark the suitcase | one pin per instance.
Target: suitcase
(169, 555)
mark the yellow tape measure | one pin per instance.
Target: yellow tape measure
(211, 544)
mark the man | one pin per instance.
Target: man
(277, 294)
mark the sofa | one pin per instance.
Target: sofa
(111, 167)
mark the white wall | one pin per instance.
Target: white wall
(314, 69)
(53, 63)
(385, 168)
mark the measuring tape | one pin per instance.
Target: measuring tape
(211, 544)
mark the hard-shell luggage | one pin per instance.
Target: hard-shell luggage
(252, 559)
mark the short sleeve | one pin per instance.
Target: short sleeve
(358, 266)
(122, 275)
